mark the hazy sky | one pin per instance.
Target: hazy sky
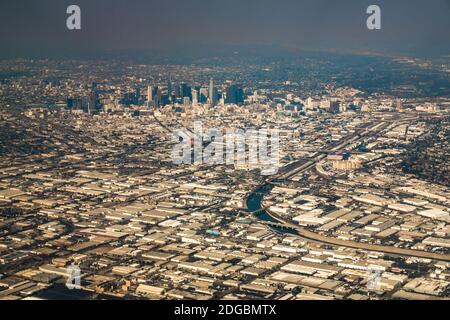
(38, 27)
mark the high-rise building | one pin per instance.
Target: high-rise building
(169, 88)
(157, 97)
(137, 96)
(177, 90)
(77, 104)
(93, 99)
(235, 94)
(194, 97)
(203, 95)
(149, 97)
(185, 91)
(149, 94)
(335, 107)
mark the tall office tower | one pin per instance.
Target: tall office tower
(149, 97)
(235, 94)
(70, 103)
(93, 97)
(158, 97)
(169, 88)
(335, 107)
(212, 93)
(194, 97)
(149, 94)
(185, 91)
(203, 95)
(94, 91)
(75, 103)
(177, 91)
(137, 96)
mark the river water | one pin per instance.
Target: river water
(254, 205)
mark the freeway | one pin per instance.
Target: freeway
(301, 166)
(309, 235)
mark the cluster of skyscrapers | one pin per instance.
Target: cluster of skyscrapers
(186, 94)
(89, 103)
(159, 96)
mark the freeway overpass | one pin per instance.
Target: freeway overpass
(315, 237)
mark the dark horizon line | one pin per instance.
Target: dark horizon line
(202, 51)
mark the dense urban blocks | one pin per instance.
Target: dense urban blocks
(93, 205)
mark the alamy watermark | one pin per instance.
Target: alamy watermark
(73, 21)
(251, 148)
(374, 20)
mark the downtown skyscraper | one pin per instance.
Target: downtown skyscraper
(212, 93)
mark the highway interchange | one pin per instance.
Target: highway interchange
(303, 165)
